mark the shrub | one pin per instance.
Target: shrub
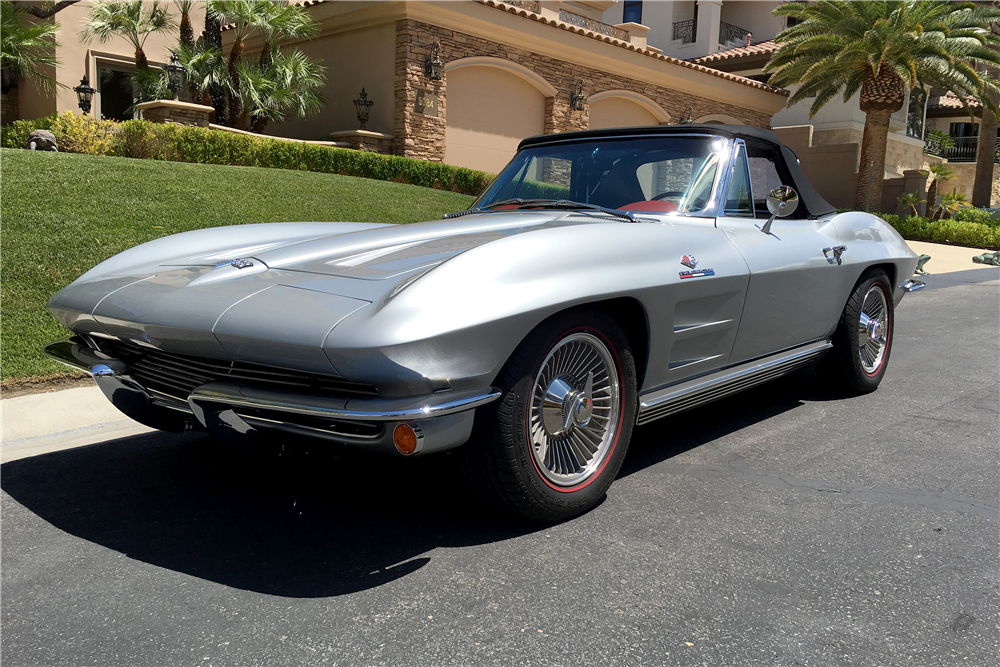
(181, 143)
(77, 133)
(16, 134)
(955, 231)
(977, 215)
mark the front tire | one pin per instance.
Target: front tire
(550, 447)
(863, 339)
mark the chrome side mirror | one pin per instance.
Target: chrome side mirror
(781, 202)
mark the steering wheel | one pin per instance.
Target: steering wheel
(664, 195)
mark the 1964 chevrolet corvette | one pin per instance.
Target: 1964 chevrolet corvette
(605, 279)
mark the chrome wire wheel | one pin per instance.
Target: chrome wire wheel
(575, 410)
(873, 329)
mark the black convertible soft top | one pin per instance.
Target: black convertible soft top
(814, 204)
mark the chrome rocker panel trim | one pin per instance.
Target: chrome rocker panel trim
(693, 393)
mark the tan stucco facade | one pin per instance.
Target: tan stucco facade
(78, 59)
(509, 72)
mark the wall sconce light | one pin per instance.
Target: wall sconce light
(433, 67)
(363, 105)
(8, 80)
(577, 100)
(687, 117)
(174, 71)
(84, 95)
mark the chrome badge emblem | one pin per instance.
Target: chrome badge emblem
(690, 262)
(241, 263)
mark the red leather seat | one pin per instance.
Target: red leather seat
(658, 206)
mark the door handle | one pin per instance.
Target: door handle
(837, 251)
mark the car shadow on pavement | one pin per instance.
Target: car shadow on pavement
(671, 436)
(312, 521)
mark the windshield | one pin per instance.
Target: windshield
(666, 174)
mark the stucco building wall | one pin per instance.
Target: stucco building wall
(421, 136)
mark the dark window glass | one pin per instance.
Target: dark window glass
(915, 114)
(964, 130)
(632, 12)
(739, 199)
(115, 88)
(764, 177)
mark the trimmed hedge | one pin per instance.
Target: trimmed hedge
(953, 230)
(182, 143)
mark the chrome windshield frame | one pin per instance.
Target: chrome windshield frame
(722, 175)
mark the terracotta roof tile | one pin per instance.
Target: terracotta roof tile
(762, 49)
(513, 9)
(951, 101)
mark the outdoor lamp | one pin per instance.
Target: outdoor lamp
(174, 71)
(363, 105)
(577, 100)
(687, 117)
(84, 94)
(7, 79)
(433, 67)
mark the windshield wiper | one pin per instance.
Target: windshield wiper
(569, 204)
(545, 203)
(516, 201)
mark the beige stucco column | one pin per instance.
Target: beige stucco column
(915, 180)
(173, 111)
(709, 18)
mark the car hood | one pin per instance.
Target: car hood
(304, 279)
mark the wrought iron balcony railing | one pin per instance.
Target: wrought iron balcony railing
(595, 25)
(964, 149)
(732, 33)
(686, 31)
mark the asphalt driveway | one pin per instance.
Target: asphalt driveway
(784, 526)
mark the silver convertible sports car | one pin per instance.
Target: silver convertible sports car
(605, 279)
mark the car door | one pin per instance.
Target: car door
(789, 296)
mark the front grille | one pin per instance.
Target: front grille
(177, 375)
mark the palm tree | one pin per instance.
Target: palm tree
(986, 156)
(26, 46)
(273, 20)
(205, 70)
(286, 21)
(287, 85)
(881, 49)
(132, 20)
(186, 29)
(982, 188)
(952, 202)
(939, 172)
(211, 38)
(911, 199)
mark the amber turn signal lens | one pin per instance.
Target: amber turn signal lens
(405, 439)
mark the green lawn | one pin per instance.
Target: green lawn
(61, 214)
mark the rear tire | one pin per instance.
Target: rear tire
(548, 449)
(863, 339)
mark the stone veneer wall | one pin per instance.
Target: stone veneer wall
(422, 136)
(9, 108)
(167, 114)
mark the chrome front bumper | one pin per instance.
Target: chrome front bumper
(906, 288)
(234, 410)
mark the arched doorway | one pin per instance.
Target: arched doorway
(490, 109)
(623, 108)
